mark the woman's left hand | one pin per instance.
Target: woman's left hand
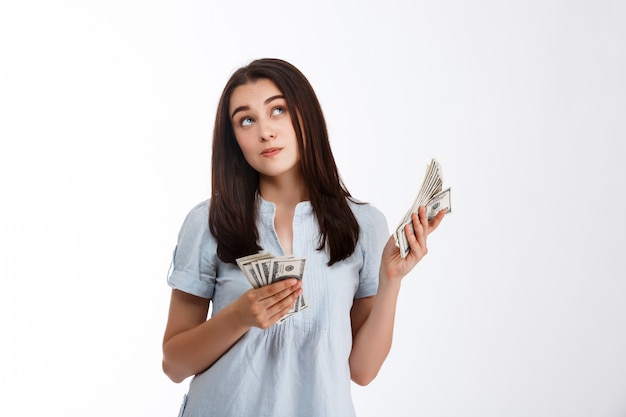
(393, 266)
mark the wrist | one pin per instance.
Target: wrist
(385, 282)
(390, 275)
(235, 318)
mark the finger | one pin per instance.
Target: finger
(282, 294)
(283, 306)
(278, 310)
(423, 217)
(266, 310)
(434, 223)
(276, 287)
(420, 227)
(414, 234)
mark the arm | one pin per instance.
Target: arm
(192, 343)
(373, 317)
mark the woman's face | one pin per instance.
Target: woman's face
(263, 128)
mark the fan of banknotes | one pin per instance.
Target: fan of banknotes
(431, 196)
(264, 268)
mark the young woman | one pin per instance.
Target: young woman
(275, 188)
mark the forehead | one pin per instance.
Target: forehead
(253, 93)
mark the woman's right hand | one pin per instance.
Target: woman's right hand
(192, 343)
(264, 306)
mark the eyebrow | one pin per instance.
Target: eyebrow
(267, 101)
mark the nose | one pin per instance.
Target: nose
(266, 131)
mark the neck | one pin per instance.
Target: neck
(283, 190)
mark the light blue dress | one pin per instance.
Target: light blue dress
(299, 367)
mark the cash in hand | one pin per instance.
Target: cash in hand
(263, 268)
(429, 195)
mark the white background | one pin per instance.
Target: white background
(106, 115)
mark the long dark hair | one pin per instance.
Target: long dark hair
(233, 214)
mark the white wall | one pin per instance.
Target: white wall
(106, 111)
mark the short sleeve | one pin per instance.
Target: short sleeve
(374, 236)
(193, 267)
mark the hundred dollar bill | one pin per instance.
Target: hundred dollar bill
(263, 268)
(285, 268)
(250, 271)
(439, 202)
(429, 195)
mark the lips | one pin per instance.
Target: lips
(270, 151)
